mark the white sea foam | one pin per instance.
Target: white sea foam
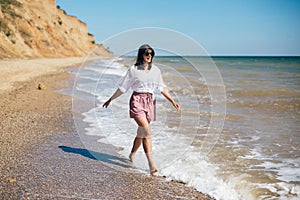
(175, 159)
(286, 171)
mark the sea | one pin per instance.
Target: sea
(236, 136)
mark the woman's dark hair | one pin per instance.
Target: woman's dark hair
(140, 58)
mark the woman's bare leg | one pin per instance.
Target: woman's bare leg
(144, 130)
(136, 144)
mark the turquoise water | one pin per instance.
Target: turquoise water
(237, 135)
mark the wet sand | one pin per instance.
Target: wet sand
(42, 156)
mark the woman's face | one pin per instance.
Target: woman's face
(148, 56)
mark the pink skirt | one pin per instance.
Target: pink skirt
(142, 105)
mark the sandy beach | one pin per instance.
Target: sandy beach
(42, 156)
(14, 71)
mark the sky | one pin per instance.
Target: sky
(220, 27)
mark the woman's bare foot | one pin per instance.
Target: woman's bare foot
(153, 171)
(131, 157)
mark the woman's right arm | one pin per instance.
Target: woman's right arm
(117, 93)
(124, 85)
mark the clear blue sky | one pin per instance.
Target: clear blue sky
(222, 27)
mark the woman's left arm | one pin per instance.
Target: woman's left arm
(168, 96)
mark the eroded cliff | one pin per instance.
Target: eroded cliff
(39, 28)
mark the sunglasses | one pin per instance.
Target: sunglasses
(147, 53)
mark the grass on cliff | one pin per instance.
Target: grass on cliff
(7, 7)
(10, 2)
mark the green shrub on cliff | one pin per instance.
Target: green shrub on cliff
(4, 28)
(10, 2)
(6, 7)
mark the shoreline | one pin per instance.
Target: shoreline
(42, 155)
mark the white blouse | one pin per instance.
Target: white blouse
(142, 80)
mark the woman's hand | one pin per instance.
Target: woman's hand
(106, 104)
(176, 105)
(168, 96)
(117, 93)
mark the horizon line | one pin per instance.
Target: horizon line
(294, 56)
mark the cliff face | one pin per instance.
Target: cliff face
(38, 28)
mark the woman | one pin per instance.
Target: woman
(143, 78)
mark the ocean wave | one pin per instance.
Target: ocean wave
(241, 93)
(176, 151)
